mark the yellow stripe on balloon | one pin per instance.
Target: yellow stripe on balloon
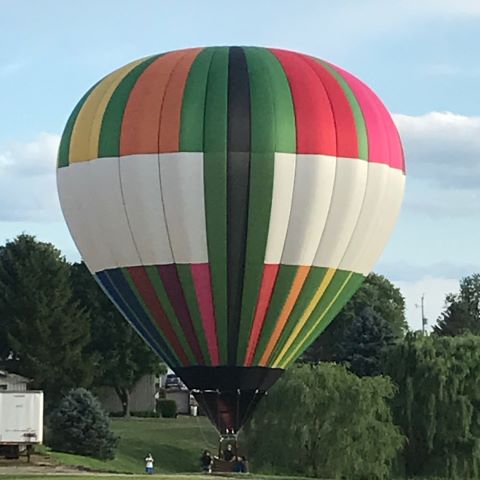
(297, 285)
(86, 132)
(300, 346)
(306, 314)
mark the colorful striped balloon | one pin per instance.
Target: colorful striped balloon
(230, 200)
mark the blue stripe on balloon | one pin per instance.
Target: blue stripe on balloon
(117, 278)
(119, 292)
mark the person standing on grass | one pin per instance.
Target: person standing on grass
(149, 464)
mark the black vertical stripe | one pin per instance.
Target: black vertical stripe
(238, 173)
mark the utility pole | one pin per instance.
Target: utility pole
(422, 309)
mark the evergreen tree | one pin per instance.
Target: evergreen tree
(44, 330)
(376, 293)
(80, 425)
(462, 311)
(122, 356)
(365, 342)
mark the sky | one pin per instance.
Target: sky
(420, 57)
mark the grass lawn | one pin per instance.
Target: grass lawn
(102, 477)
(197, 476)
(176, 445)
(145, 477)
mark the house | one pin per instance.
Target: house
(145, 393)
(142, 396)
(13, 382)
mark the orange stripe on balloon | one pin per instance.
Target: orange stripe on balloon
(266, 288)
(295, 290)
(169, 137)
(142, 113)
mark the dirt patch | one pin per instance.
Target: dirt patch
(39, 464)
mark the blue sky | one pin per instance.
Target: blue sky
(421, 57)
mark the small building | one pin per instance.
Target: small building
(12, 382)
(182, 398)
(145, 393)
(142, 396)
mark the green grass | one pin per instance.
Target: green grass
(100, 477)
(176, 445)
(150, 477)
(156, 476)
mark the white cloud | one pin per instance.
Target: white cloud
(27, 180)
(442, 152)
(442, 148)
(36, 157)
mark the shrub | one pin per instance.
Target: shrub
(168, 408)
(145, 414)
(116, 414)
(79, 425)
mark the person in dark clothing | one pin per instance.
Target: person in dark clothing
(240, 465)
(228, 454)
(206, 461)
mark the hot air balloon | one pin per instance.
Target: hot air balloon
(229, 201)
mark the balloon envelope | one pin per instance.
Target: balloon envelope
(229, 201)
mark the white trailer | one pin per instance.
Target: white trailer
(21, 421)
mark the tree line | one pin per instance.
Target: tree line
(372, 400)
(368, 398)
(58, 328)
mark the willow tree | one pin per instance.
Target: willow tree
(438, 404)
(323, 421)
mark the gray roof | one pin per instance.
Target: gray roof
(13, 377)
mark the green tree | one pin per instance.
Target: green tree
(438, 404)
(462, 311)
(365, 342)
(378, 294)
(323, 421)
(45, 331)
(122, 356)
(80, 425)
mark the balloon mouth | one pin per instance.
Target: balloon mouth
(228, 394)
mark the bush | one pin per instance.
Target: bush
(168, 408)
(145, 414)
(79, 425)
(116, 414)
(326, 422)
